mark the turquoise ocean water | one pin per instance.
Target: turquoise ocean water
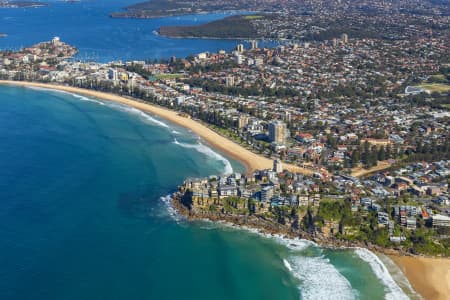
(83, 215)
(83, 186)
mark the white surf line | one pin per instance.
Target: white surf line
(287, 265)
(399, 277)
(393, 291)
(113, 105)
(139, 113)
(319, 278)
(80, 97)
(201, 148)
(170, 210)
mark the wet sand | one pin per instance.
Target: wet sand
(430, 277)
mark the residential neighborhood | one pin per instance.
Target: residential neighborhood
(360, 114)
(406, 210)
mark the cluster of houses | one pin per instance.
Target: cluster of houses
(421, 179)
(276, 126)
(267, 189)
(399, 19)
(39, 60)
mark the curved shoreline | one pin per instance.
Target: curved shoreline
(250, 160)
(411, 266)
(430, 277)
(427, 277)
(384, 274)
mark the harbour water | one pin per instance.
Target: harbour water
(87, 26)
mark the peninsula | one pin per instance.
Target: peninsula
(234, 27)
(276, 201)
(163, 8)
(309, 20)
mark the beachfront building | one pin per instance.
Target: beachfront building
(254, 44)
(440, 221)
(113, 74)
(277, 166)
(277, 132)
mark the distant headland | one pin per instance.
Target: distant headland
(162, 8)
(233, 27)
(21, 4)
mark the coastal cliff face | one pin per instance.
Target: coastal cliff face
(269, 221)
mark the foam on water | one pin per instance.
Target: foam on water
(295, 244)
(83, 98)
(80, 97)
(393, 291)
(228, 169)
(399, 277)
(139, 113)
(124, 108)
(287, 265)
(319, 278)
(171, 211)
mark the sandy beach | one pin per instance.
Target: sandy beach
(430, 277)
(249, 159)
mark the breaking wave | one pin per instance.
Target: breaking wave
(139, 113)
(228, 169)
(79, 97)
(393, 291)
(170, 210)
(399, 277)
(287, 265)
(319, 278)
(125, 108)
(295, 244)
(83, 98)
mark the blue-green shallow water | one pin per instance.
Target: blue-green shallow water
(81, 215)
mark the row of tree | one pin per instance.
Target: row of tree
(370, 155)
